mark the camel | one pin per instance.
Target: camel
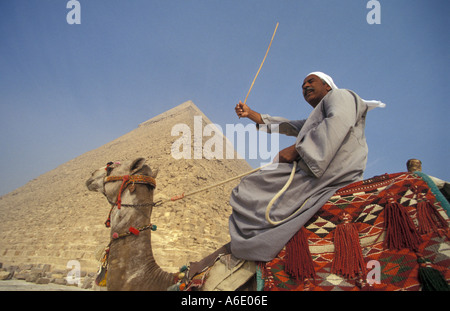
(372, 202)
(131, 263)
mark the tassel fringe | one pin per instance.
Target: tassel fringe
(400, 230)
(299, 263)
(430, 220)
(348, 259)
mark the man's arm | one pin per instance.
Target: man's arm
(244, 111)
(287, 155)
(284, 126)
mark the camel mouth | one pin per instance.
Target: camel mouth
(91, 185)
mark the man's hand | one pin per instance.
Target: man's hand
(242, 110)
(287, 155)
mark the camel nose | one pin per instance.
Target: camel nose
(91, 185)
(88, 183)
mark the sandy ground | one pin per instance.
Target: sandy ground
(19, 285)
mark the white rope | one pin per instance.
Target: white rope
(286, 186)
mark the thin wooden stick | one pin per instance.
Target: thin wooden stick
(267, 52)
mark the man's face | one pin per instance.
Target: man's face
(314, 90)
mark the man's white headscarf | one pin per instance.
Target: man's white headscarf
(371, 103)
(325, 78)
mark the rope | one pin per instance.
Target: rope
(269, 206)
(267, 52)
(286, 186)
(183, 195)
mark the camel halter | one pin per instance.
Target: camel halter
(126, 181)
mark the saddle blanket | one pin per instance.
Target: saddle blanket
(383, 267)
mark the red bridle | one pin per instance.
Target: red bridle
(126, 181)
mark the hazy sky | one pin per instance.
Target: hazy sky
(67, 89)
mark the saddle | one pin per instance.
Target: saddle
(223, 271)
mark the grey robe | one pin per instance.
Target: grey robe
(333, 153)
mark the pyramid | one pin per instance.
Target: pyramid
(54, 218)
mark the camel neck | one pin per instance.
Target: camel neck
(132, 265)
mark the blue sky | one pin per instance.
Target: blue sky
(67, 89)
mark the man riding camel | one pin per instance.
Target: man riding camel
(330, 152)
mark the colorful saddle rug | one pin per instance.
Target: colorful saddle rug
(386, 233)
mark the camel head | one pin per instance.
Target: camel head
(97, 181)
(128, 184)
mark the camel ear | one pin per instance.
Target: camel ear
(136, 165)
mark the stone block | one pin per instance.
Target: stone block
(21, 275)
(60, 281)
(56, 275)
(43, 281)
(33, 277)
(13, 268)
(87, 283)
(25, 266)
(6, 275)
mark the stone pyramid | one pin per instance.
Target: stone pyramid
(54, 218)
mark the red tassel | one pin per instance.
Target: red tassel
(299, 263)
(400, 230)
(134, 231)
(348, 259)
(430, 220)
